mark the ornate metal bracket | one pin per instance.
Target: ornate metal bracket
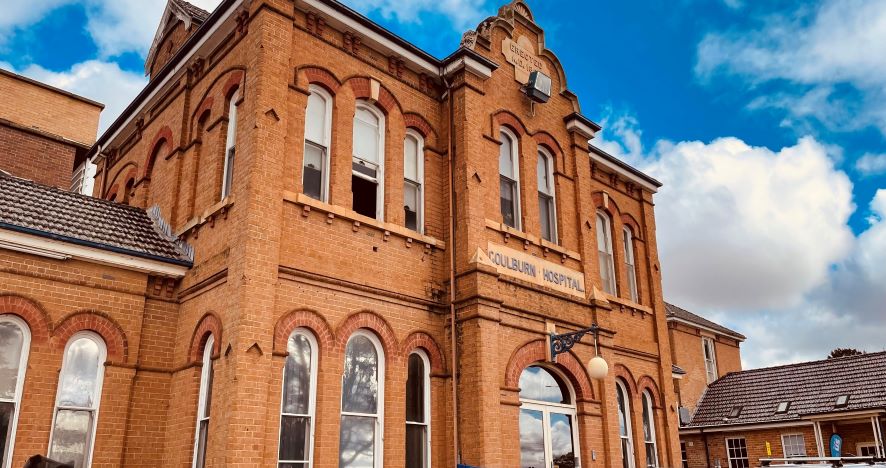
(563, 343)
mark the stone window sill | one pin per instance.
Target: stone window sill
(531, 239)
(628, 304)
(208, 216)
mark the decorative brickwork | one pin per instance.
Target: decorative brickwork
(164, 135)
(29, 311)
(363, 90)
(98, 322)
(421, 340)
(320, 76)
(208, 325)
(534, 352)
(303, 318)
(370, 321)
(647, 383)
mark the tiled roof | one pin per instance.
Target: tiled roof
(809, 387)
(194, 11)
(683, 314)
(675, 369)
(49, 212)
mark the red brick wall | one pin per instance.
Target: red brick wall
(31, 156)
(686, 348)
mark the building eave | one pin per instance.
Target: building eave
(626, 170)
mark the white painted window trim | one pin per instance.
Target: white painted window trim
(650, 412)
(420, 167)
(626, 410)
(426, 362)
(729, 457)
(607, 231)
(711, 372)
(550, 191)
(312, 398)
(546, 408)
(380, 177)
(861, 445)
(99, 382)
(20, 382)
(784, 445)
(230, 146)
(630, 263)
(378, 456)
(203, 393)
(515, 159)
(326, 145)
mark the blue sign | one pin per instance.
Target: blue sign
(836, 445)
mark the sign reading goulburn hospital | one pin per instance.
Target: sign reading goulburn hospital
(523, 266)
(521, 54)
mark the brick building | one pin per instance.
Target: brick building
(790, 411)
(45, 132)
(382, 243)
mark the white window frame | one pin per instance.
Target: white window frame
(427, 401)
(203, 394)
(515, 159)
(230, 147)
(865, 445)
(730, 458)
(420, 168)
(710, 364)
(20, 383)
(380, 177)
(610, 265)
(312, 397)
(325, 145)
(378, 456)
(650, 412)
(784, 444)
(629, 438)
(630, 263)
(546, 408)
(99, 382)
(550, 192)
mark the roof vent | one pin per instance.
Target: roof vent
(783, 407)
(842, 401)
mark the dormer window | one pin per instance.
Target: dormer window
(842, 401)
(783, 407)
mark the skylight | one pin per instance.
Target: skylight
(736, 410)
(783, 407)
(842, 400)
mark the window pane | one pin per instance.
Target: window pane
(366, 137)
(626, 457)
(297, 376)
(229, 171)
(415, 390)
(365, 196)
(544, 182)
(416, 446)
(603, 244)
(7, 411)
(647, 421)
(622, 412)
(295, 438)
(70, 437)
(650, 455)
(357, 443)
(293, 465)
(232, 123)
(315, 119)
(545, 213)
(410, 159)
(508, 202)
(411, 204)
(606, 273)
(312, 179)
(561, 441)
(538, 384)
(506, 157)
(80, 374)
(12, 340)
(360, 380)
(202, 435)
(532, 440)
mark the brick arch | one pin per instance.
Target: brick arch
(612, 207)
(545, 139)
(623, 373)
(510, 120)
(165, 134)
(372, 322)
(233, 83)
(362, 90)
(95, 321)
(419, 124)
(534, 352)
(112, 192)
(31, 312)
(209, 324)
(423, 341)
(302, 318)
(647, 383)
(204, 108)
(122, 178)
(319, 76)
(629, 220)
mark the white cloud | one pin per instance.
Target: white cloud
(463, 14)
(871, 164)
(758, 240)
(101, 81)
(830, 56)
(21, 13)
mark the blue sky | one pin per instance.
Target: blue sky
(765, 120)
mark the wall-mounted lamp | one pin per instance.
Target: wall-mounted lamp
(598, 368)
(538, 88)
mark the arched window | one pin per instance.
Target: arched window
(15, 342)
(414, 181)
(418, 411)
(204, 405)
(547, 210)
(298, 402)
(649, 431)
(630, 265)
(625, 432)
(77, 401)
(127, 190)
(318, 135)
(604, 251)
(230, 146)
(362, 403)
(548, 429)
(509, 175)
(367, 175)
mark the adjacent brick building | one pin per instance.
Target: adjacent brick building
(383, 241)
(44, 132)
